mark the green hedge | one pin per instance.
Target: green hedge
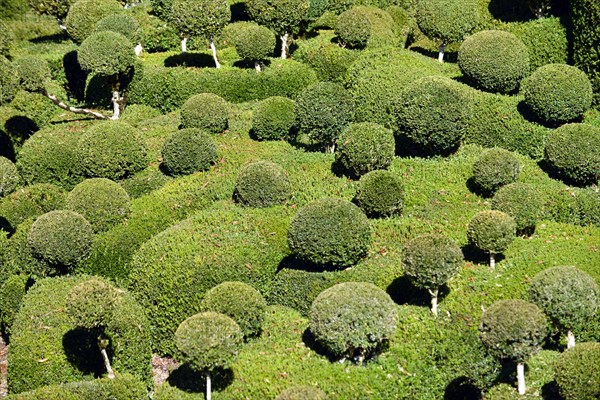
(31, 202)
(9, 177)
(577, 372)
(585, 17)
(84, 14)
(521, 201)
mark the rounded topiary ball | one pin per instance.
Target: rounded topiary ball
(521, 201)
(274, 118)
(495, 61)
(239, 301)
(61, 238)
(577, 372)
(84, 14)
(31, 202)
(33, 73)
(353, 319)
(94, 302)
(106, 53)
(380, 193)
(188, 151)
(102, 202)
(495, 168)
(262, 184)
(255, 42)
(353, 28)
(302, 393)
(445, 20)
(491, 231)
(124, 24)
(9, 176)
(330, 232)
(205, 111)
(558, 93)
(112, 150)
(573, 152)
(6, 39)
(364, 147)
(9, 81)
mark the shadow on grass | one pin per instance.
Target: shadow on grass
(81, 349)
(473, 254)
(402, 291)
(187, 379)
(199, 60)
(462, 388)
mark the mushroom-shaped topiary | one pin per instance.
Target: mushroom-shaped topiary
(188, 151)
(206, 111)
(515, 330)
(61, 238)
(208, 341)
(573, 152)
(84, 14)
(491, 231)
(365, 147)
(430, 261)
(380, 193)
(124, 24)
(495, 168)
(577, 372)
(557, 93)
(239, 301)
(9, 177)
(353, 28)
(111, 150)
(262, 184)
(102, 202)
(330, 232)
(274, 118)
(9, 81)
(568, 296)
(353, 319)
(521, 201)
(302, 393)
(433, 113)
(495, 61)
(255, 43)
(323, 110)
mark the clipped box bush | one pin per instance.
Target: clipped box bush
(51, 392)
(102, 202)
(380, 193)
(144, 182)
(329, 60)
(106, 53)
(588, 206)
(255, 42)
(297, 288)
(353, 28)
(123, 387)
(206, 111)
(36, 107)
(187, 151)
(31, 202)
(84, 14)
(573, 152)
(495, 61)
(330, 232)
(521, 201)
(137, 114)
(9, 81)
(6, 39)
(491, 231)
(12, 291)
(585, 18)
(302, 393)
(9, 177)
(365, 147)
(577, 372)
(124, 24)
(495, 168)
(262, 184)
(353, 319)
(557, 93)
(274, 118)
(33, 73)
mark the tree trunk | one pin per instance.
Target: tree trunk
(521, 378)
(570, 339)
(284, 39)
(138, 49)
(117, 105)
(75, 110)
(103, 343)
(434, 300)
(492, 261)
(257, 66)
(442, 49)
(184, 45)
(61, 25)
(208, 387)
(214, 52)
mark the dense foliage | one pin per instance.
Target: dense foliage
(380, 193)
(31, 202)
(187, 151)
(447, 20)
(577, 372)
(302, 393)
(274, 118)
(262, 184)
(585, 17)
(206, 111)
(255, 42)
(365, 147)
(521, 201)
(491, 231)
(9, 177)
(84, 14)
(124, 24)
(495, 168)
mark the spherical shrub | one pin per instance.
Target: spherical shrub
(353, 319)
(353, 28)
(55, 8)
(208, 340)
(205, 111)
(84, 14)
(432, 113)
(577, 372)
(239, 301)
(522, 202)
(329, 60)
(323, 110)
(365, 147)
(330, 232)
(557, 93)
(588, 206)
(274, 118)
(61, 238)
(12, 291)
(491, 231)
(203, 18)
(112, 150)
(262, 184)
(495, 61)
(188, 151)
(37, 108)
(495, 168)
(302, 393)
(448, 21)
(9, 81)
(573, 152)
(50, 392)
(9, 177)
(380, 193)
(6, 39)
(124, 24)
(102, 202)
(144, 182)
(255, 42)
(106, 53)
(33, 73)
(31, 202)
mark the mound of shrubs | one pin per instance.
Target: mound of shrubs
(302, 393)
(329, 60)
(144, 182)
(9, 81)
(83, 16)
(521, 201)
(36, 106)
(298, 288)
(353, 28)
(32, 72)
(124, 24)
(380, 193)
(274, 118)
(12, 290)
(262, 184)
(491, 231)
(31, 202)
(495, 168)
(9, 177)
(206, 111)
(187, 151)
(577, 372)
(255, 43)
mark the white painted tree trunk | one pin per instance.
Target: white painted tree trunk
(257, 66)
(434, 300)
(214, 52)
(111, 374)
(521, 378)
(442, 49)
(570, 339)
(74, 110)
(208, 387)
(492, 261)
(138, 49)
(284, 40)
(61, 25)
(330, 149)
(116, 100)
(184, 45)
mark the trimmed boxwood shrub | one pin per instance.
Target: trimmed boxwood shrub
(262, 184)
(9, 177)
(124, 24)
(188, 151)
(55, 8)
(557, 93)
(111, 150)
(240, 302)
(52, 392)
(353, 28)
(521, 201)
(12, 291)
(329, 60)
(102, 202)
(302, 393)
(491, 231)
(61, 238)
(9, 81)
(353, 319)
(380, 193)
(144, 182)
(274, 118)
(573, 152)
(494, 169)
(297, 288)
(254, 42)
(495, 61)
(330, 232)
(585, 20)
(205, 111)
(588, 206)
(577, 372)
(33, 73)
(37, 107)
(84, 14)
(6, 39)
(106, 53)
(31, 202)
(137, 114)
(365, 147)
